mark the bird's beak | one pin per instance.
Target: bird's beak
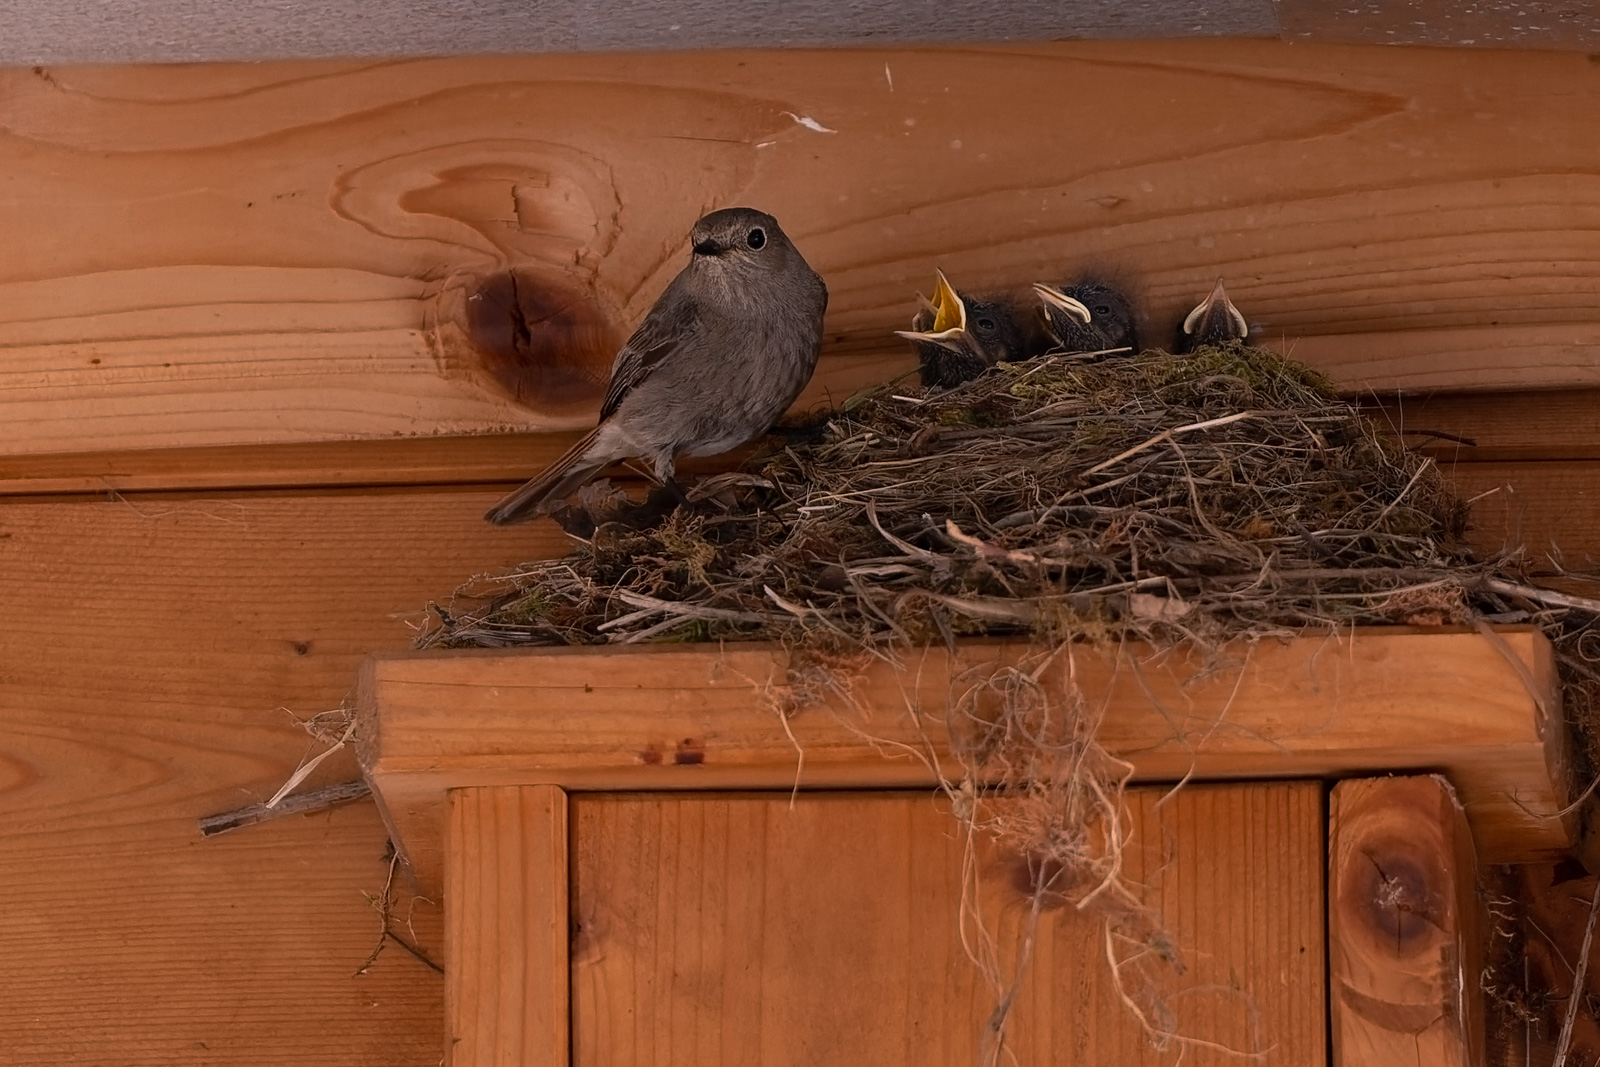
(1055, 298)
(949, 316)
(1217, 304)
(707, 247)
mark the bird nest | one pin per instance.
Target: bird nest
(1169, 498)
(1175, 500)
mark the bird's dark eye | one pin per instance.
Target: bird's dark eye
(985, 324)
(1102, 310)
(756, 238)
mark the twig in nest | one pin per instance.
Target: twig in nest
(1167, 435)
(675, 607)
(904, 546)
(987, 551)
(1548, 597)
(1579, 973)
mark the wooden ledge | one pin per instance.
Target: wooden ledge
(702, 717)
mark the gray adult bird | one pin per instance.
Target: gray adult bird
(1088, 316)
(958, 336)
(1214, 321)
(725, 350)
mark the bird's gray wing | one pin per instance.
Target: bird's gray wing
(672, 321)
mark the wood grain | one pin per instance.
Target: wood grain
(682, 717)
(279, 252)
(489, 459)
(739, 930)
(501, 459)
(1405, 939)
(506, 947)
(151, 653)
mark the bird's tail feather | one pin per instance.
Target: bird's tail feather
(552, 485)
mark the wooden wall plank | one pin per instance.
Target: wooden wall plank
(684, 717)
(286, 252)
(506, 458)
(1530, 438)
(1551, 509)
(1512, 427)
(496, 458)
(718, 930)
(151, 651)
(1405, 937)
(506, 950)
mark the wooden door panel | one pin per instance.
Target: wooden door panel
(752, 929)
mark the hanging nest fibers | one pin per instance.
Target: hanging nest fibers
(1179, 501)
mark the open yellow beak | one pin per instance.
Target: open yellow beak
(949, 317)
(950, 310)
(1054, 297)
(1219, 295)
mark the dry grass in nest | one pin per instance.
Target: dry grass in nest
(1172, 500)
(1169, 498)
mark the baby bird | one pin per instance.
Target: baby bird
(957, 337)
(1088, 316)
(1214, 321)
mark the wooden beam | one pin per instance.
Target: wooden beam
(506, 971)
(1405, 947)
(683, 717)
(325, 251)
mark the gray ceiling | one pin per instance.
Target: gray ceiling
(122, 31)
